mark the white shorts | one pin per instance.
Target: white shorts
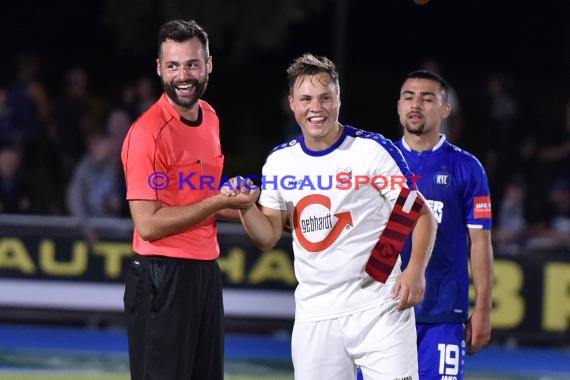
(380, 340)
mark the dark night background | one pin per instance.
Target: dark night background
(252, 43)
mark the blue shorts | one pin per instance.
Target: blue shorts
(441, 351)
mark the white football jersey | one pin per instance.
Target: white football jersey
(337, 217)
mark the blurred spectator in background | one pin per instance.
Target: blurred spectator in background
(14, 195)
(508, 150)
(29, 107)
(550, 157)
(453, 125)
(7, 132)
(510, 230)
(145, 95)
(118, 122)
(503, 112)
(75, 118)
(93, 190)
(503, 107)
(556, 152)
(120, 117)
(554, 229)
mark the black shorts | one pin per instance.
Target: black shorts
(174, 312)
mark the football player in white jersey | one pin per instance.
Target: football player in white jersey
(346, 194)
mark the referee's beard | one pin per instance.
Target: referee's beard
(199, 90)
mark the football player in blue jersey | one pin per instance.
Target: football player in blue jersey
(455, 186)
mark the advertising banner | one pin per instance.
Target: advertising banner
(45, 263)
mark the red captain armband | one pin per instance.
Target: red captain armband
(402, 220)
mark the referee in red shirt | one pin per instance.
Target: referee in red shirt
(173, 162)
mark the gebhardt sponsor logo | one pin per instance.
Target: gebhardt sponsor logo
(343, 180)
(305, 224)
(316, 223)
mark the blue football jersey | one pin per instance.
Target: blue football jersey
(455, 186)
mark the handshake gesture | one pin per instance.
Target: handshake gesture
(241, 193)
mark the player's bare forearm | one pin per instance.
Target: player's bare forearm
(154, 221)
(228, 214)
(478, 333)
(264, 226)
(411, 284)
(423, 239)
(482, 267)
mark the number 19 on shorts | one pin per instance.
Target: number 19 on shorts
(448, 361)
